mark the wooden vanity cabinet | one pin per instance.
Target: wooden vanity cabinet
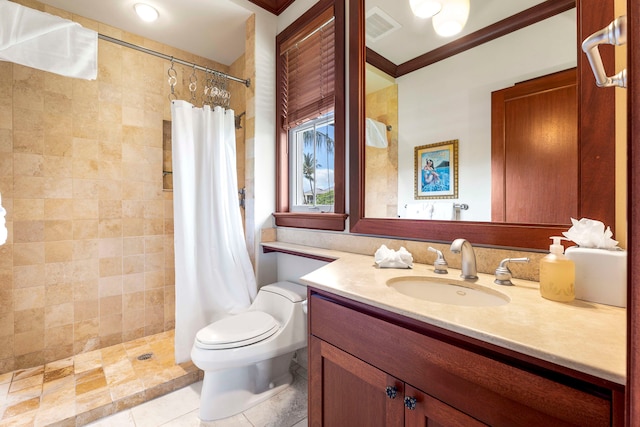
(359, 354)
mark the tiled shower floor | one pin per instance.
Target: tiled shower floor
(88, 386)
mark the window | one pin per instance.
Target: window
(310, 120)
(312, 164)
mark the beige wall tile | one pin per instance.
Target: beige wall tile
(133, 264)
(85, 209)
(133, 319)
(85, 229)
(86, 269)
(28, 231)
(58, 209)
(110, 305)
(154, 279)
(28, 342)
(86, 310)
(59, 336)
(6, 163)
(29, 320)
(132, 227)
(29, 187)
(58, 315)
(110, 248)
(110, 286)
(26, 164)
(6, 323)
(91, 231)
(28, 298)
(85, 249)
(28, 276)
(85, 148)
(61, 251)
(28, 209)
(154, 244)
(86, 290)
(133, 245)
(56, 230)
(28, 253)
(109, 209)
(58, 188)
(58, 273)
(110, 324)
(58, 294)
(133, 283)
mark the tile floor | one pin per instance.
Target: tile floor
(112, 387)
(180, 409)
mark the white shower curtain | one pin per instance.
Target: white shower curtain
(213, 271)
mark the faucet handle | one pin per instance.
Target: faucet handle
(440, 263)
(503, 274)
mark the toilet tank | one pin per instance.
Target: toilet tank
(291, 291)
(281, 300)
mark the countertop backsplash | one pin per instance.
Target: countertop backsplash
(487, 259)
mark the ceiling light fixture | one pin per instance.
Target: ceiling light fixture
(425, 8)
(145, 12)
(452, 18)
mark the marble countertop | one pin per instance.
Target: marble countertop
(580, 335)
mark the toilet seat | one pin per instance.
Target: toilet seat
(237, 331)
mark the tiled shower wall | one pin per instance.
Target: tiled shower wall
(381, 178)
(89, 259)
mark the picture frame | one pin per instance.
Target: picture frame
(436, 170)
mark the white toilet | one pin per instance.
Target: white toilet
(246, 357)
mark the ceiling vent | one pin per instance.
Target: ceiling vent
(379, 24)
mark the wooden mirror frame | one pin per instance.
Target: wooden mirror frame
(596, 114)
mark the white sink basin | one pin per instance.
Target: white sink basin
(448, 291)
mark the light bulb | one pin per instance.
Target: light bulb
(425, 8)
(452, 17)
(145, 12)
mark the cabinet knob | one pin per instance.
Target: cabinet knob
(391, 391)
(410, 403)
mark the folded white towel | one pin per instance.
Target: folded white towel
(47, 42)
(443, 211)
(376, 134)
(388, 258)
(3, 228)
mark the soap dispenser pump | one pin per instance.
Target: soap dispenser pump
(557, 274)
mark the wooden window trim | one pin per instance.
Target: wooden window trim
(323, 221)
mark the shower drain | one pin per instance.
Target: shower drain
(145, 356)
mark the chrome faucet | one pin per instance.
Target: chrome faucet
(440, 264)
(469, 270)
(503, 274)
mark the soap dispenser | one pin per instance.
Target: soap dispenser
(557, 274)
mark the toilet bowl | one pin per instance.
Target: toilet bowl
(246, 357)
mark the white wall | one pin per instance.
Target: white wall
(451, 99)
(292, 267)
(261, 152)
(293, 12)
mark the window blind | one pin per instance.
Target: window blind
(308, 63)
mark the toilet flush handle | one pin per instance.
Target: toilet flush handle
(304, 306)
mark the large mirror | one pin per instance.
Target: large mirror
(426, 90)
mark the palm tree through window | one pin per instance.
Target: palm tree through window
(313, 160)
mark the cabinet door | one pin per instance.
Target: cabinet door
(430, 412)
(345, 391)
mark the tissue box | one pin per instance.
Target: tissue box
(601, 275)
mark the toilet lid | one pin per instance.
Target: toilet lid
(237, 331)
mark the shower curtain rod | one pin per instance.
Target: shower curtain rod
(246, 82)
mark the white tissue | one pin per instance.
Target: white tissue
(589, 233)
(3, 229)
(388, 258)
